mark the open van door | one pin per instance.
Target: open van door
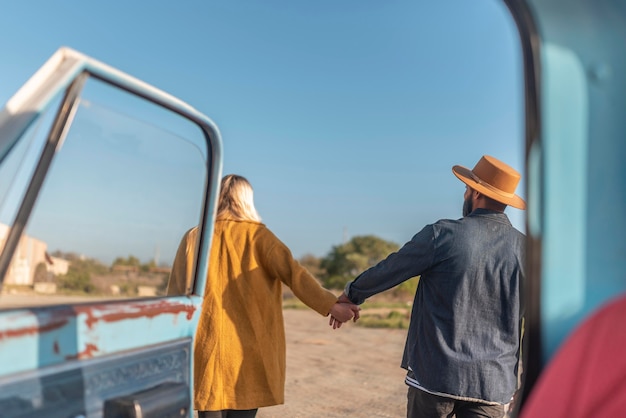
(101, 175)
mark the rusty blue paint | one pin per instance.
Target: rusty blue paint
(40, 337)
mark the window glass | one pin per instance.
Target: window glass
(126, 184)
(19, 163)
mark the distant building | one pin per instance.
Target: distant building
(29, 253)
(166, 270)
(146, 291)
(119, 268)
(56, 265)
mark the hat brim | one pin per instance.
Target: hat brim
(464, 174)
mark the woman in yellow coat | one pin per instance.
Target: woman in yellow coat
(239, 355)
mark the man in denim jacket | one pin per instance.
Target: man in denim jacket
(463, 344)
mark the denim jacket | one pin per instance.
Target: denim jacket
(464, 336)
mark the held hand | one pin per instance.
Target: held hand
(334, 322)
(355, 309)
(342, 312)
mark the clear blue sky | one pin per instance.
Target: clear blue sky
(346, 116)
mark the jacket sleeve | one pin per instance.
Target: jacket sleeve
(180, 281)
(280, 262)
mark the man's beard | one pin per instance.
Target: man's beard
(467, 206)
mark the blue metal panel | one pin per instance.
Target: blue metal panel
(41, 337)
(565, 140)
(584, 184)
(82, 388)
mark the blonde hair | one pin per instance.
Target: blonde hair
(236, 199)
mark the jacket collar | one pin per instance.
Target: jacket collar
(488, 213)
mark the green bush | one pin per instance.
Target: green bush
(407, 288)
(78, 276)
(394, 320)
(336, 282)
(294, 303)
(76, 281)
(344, 262)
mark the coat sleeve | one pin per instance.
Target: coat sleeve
(180, 280)
(280, 262)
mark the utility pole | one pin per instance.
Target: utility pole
(156, 256)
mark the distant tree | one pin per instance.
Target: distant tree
(408, 287)
(312, 264)
(69, 256)
(131, 261)
(148, 266)
(41, 273)
(345, 261)
(79, 273)
(76, 281)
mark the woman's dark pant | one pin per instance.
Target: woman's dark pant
(422, 404)
(228, 413)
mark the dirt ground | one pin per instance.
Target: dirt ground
(351, 372)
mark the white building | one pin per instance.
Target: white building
(30, 252)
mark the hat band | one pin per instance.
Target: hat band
(489, 186)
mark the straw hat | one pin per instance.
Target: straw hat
(494, 179)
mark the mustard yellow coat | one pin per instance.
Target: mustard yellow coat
(239, 354)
